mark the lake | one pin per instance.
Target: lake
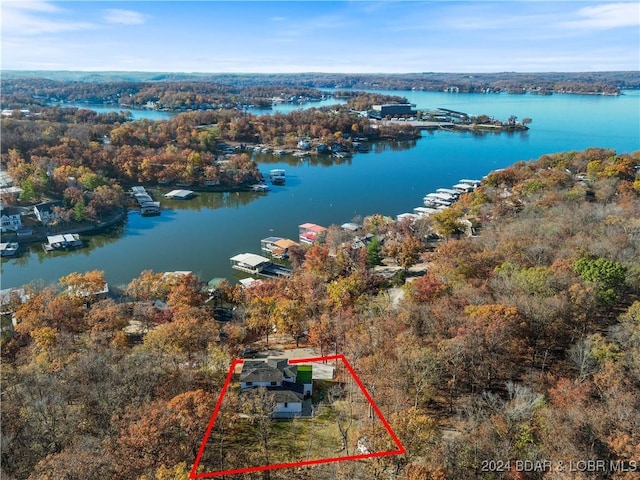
(201, 234)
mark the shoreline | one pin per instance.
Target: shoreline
(92, 229)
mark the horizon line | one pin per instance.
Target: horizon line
(321, 72)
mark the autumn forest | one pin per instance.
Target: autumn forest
(517, 343)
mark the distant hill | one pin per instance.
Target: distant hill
(512, 82)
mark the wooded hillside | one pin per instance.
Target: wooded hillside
(519, 343)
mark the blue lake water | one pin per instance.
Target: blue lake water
(202, 234)
(136, 114)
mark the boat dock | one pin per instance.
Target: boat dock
(277, 176)
(148, 206)
(441, 199)
(64, 241)
(258, 265)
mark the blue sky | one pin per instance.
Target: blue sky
(325, 36)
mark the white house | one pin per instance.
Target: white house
(45, 211)
(10, 219)
(288, 404)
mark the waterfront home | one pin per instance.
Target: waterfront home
(310, 232)
(249, 263)
(90, 293)
(9, 249)
(282, 246)
(180, 194)
(289, 384)
(267, 244)
(11, 219)
(45, 212)
(64, 241)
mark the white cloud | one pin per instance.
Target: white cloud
(124, 17)
(33, 17)
(606, 16)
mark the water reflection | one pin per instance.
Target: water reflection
(210, 200)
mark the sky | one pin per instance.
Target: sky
(326, 36)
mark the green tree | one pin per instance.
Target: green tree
(373, 252)
(608, 276)
(79, 211)
(447, 222)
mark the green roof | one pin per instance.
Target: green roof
(304, 374)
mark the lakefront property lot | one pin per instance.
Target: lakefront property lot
(338, 422)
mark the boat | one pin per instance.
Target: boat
(9, 249)
(150, 209)
(64, 241)
(277, 176)
(260, 187)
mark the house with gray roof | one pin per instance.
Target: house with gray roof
(289, 384)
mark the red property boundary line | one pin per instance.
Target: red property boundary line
(399, 451)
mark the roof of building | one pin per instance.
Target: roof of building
(9, 210)
(282, 364)
(250, 259)
(259, 371)
(285, 243)
(180, 194)
(350, 226)
(312, 227)
(47, 206)
(271, 370)
(271, 239)
(286, 396)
